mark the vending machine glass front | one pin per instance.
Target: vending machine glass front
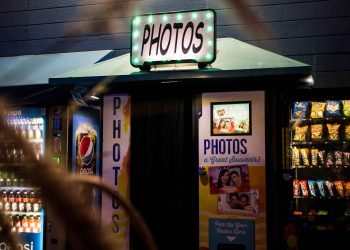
(20, 199)
(318, 159)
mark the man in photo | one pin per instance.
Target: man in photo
(233, 200)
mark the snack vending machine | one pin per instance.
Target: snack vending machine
(20, 200)
(316, 156)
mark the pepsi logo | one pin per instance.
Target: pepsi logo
(86, 150)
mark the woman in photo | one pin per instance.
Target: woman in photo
(224, 178)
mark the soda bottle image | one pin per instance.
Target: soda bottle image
(14, 206)
(4, 196)
(86, 137)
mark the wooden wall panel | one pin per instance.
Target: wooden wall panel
(332, 79)
(310, 45)
(290, 29)
(316, 32)
(45, 46)
(10, 19)
(16, 33)
(14, 48)
(82, 28)
(298, 11)
(222, 4)
(13, 5)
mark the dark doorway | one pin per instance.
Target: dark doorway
(163, 177)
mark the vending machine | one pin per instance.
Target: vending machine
(20, 199)
(74, 145)
(315, 183)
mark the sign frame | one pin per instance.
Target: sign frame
(146, 65)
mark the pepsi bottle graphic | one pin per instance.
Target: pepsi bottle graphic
(86, 149)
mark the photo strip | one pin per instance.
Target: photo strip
(229, 179)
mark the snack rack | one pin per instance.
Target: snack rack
(318, 160)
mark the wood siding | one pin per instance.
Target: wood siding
(311, 31)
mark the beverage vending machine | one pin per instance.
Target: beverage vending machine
(316, 170)
(73, 136)
(20, 200)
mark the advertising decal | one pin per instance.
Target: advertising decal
(85, 147)
(231, 234)
(232, 184)
(116, 164)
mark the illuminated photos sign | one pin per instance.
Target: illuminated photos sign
(173, 37)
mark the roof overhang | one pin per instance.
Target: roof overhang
(37, 69)
(235, 59)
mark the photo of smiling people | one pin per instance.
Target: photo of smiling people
(231, 118)
(240, 203)
(229, 179)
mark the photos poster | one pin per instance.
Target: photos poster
(116, 166)
(238, 147)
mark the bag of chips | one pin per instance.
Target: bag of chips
(320, 185)
(317, 109)
(346, 158)
(296, 187)
(333, 109)
(299, 110)
(300, 133)
(330, 159)
(346, 108)
(303, 187)
(347, 188)
(347, 132)
(316, 132)
(330, 186)
(321, 155)
(340, 188)
(314, 152)
(312, 187)
(333, 131)
(295, 157)
(304, 152)
(338, 155)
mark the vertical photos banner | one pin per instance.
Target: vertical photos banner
(232, 153)
(116, 165)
